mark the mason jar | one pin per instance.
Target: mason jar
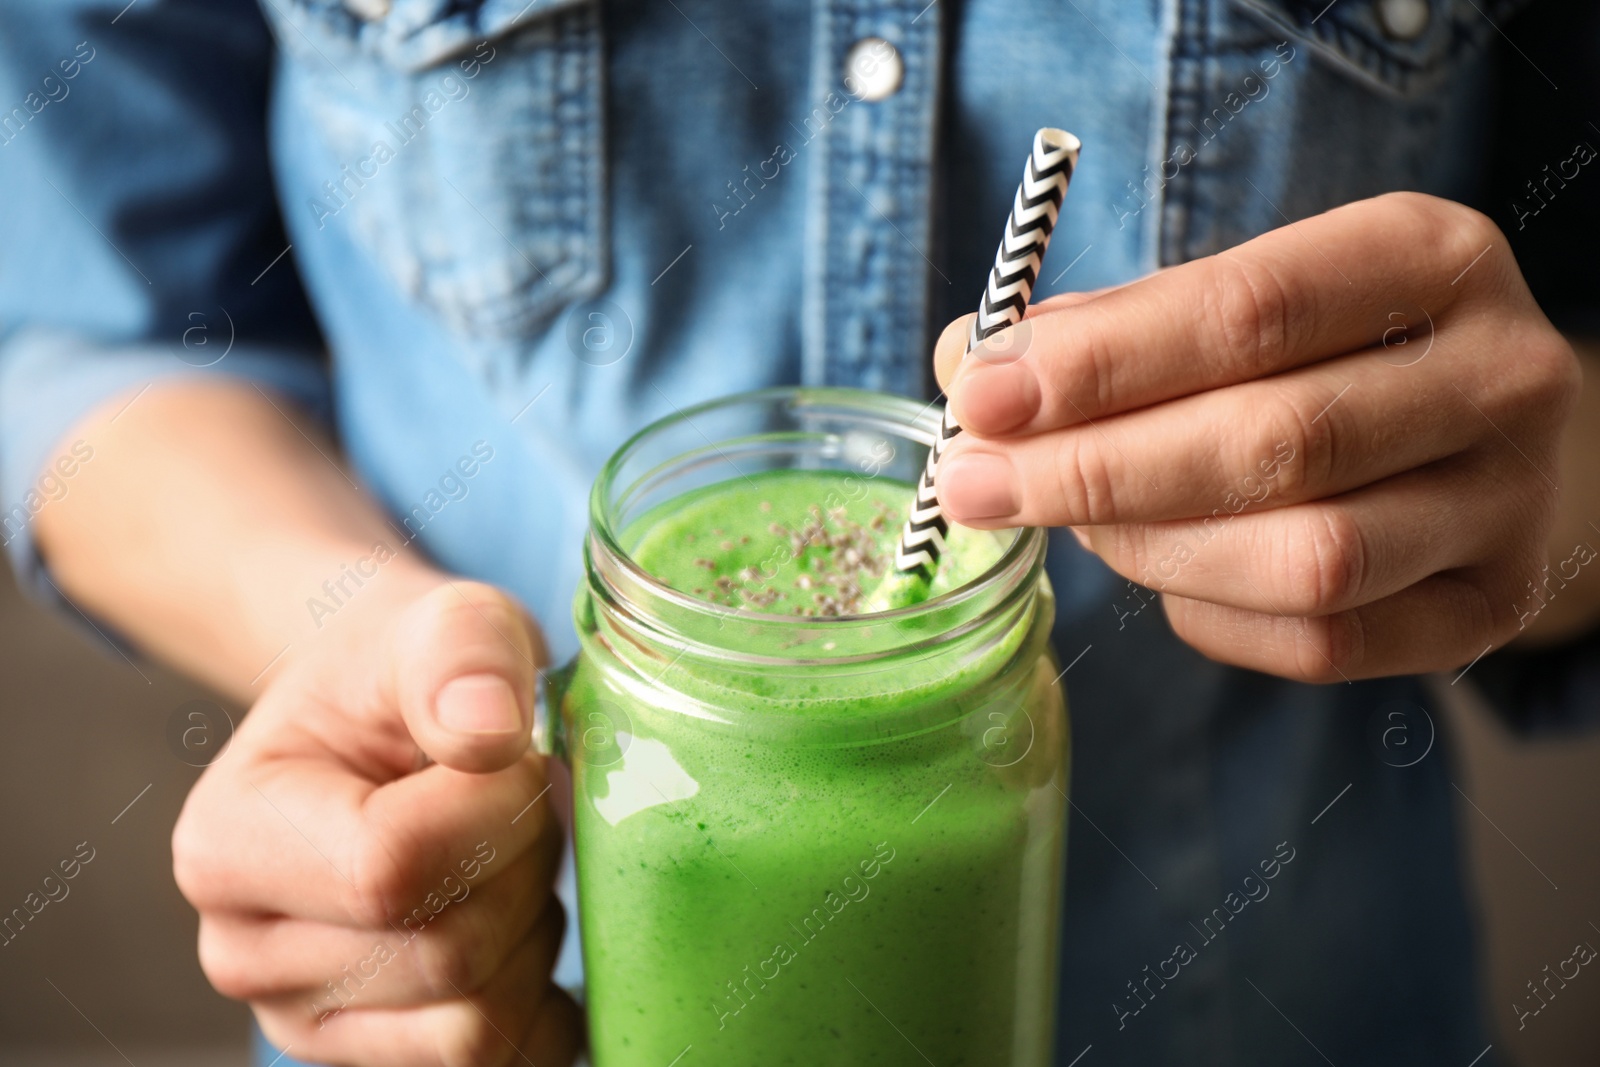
(805, 837)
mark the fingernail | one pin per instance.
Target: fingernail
(997, 397)
(479, 704)
(977, 485)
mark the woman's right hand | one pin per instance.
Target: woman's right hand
(374, 907)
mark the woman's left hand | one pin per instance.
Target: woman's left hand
(1332, 449)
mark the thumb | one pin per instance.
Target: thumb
(947, 352)
(462, 660)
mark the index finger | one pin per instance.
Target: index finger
(312, 840)
(1323, 287)
(951, 347)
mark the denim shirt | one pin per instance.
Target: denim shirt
(531, 226)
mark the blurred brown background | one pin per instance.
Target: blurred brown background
(107, 976)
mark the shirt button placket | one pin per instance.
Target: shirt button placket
(875, 69)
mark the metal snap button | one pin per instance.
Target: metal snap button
(873, 69)
(1403, 20)
(371, 10)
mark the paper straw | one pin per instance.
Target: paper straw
(1011, 280)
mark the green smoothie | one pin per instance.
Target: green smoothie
(782, 862)
(793, 542)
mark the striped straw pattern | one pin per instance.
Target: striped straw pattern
(1011, 280)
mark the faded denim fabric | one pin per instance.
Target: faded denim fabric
(543, 224)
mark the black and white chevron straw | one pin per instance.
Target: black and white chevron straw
(1011, 280)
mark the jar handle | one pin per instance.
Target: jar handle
(549, 697)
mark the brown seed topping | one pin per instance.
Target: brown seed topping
(830, 556)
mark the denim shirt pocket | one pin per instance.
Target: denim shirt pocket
(1355, 36)
(1283, 109)
(466, 147)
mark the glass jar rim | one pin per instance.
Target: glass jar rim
(917, 422)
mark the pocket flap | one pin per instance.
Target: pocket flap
(413, 35)
(1351, 35)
